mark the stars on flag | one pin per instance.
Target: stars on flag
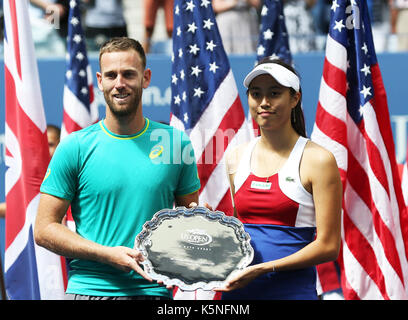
(205, 3)
(365, 70)
(366, 91)
(74, 21)
(195, 71)
(190, 6)
(80, 56)
(174, 79)
(260, 51)
(194, 49)
(192, 27)
(77, 38)
(334, 6)
(264, 11)
(77, 62)
(364, 48)
(360, 56)
(177, 100)
(273, 36)
(268, 34)
(208, 24)
(210, 45)
(196, 59)
(198, 92)
(339, 25)
(213, 67)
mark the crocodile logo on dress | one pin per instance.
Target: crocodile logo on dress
(290, 179)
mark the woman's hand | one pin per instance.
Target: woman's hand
(193, 205)
(240, 279)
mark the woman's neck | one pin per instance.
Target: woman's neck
(278, 141)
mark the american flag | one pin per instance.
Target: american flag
(205, 101)
(403, 171)
(80, 106)
(352, 121)
(31, 272)
(273, 36)
(273, 40)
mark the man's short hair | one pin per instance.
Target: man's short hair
(57, 130)
(122, 44)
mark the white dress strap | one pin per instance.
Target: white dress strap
(291, 185)
(244, 166)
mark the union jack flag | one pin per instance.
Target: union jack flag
(80, 107)
(31, 272)
(352, 121)
(205, 101)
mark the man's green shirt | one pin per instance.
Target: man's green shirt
(115, 184)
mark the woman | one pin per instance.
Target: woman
(286, 190)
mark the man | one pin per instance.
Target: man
(53, 137)
(115, 175)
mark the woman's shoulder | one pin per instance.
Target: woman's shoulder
(318, 157)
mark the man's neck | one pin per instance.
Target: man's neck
(127, 125)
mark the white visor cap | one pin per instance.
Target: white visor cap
(282, 75)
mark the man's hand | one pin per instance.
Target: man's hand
(126, 259)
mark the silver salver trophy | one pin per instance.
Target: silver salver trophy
(193, 248)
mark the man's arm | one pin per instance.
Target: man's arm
(186, 200)
(51, 234)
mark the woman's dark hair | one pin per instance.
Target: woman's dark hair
(297, 118)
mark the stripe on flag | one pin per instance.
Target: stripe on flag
(205, 103)
(403, 173)
(352, 121)
(31, 272)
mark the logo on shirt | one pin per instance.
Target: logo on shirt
(156, 151)
(196, 236)
(290, 179)
(261, 185)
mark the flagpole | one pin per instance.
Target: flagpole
(2, 284)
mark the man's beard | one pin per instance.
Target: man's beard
(131, 106)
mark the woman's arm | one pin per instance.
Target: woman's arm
(223, 5)
(319, 173)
